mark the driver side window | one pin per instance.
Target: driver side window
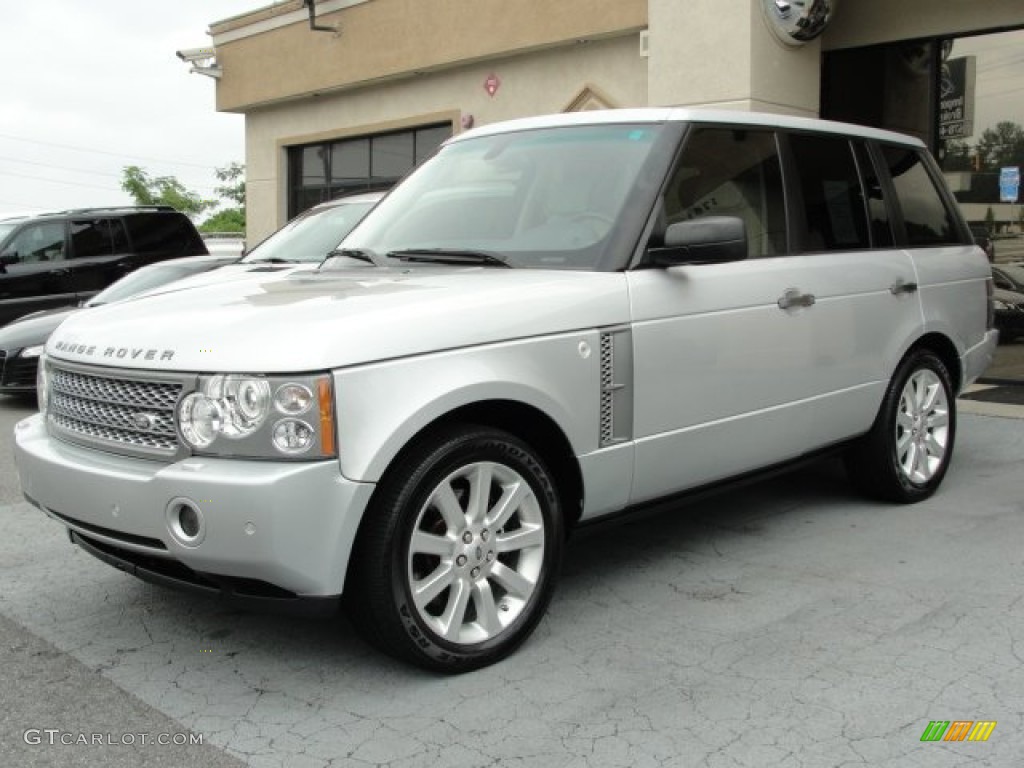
(731, 171)
(37, 243)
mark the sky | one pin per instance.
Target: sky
(88, 87)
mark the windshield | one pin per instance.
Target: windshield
(547, 198)
(145, 279)
(311, 236)
(1015, 272)
(7, 226)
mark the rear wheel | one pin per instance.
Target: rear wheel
(458, 555)
(905, 455)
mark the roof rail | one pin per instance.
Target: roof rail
(112, 208)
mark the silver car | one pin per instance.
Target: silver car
(550, 322)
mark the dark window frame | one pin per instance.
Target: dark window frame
(302, 197)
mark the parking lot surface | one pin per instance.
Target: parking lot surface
(786, 624)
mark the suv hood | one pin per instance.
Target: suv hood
(308, 321)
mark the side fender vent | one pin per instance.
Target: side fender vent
(616, 386)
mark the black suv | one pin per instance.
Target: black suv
(60, 259)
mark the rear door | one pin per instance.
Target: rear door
(746, 364)
(99, 253)
(951, 269)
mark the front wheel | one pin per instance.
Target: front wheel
(458, 554)
(905, 455)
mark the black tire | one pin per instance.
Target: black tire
(501, 575)
(907, 452)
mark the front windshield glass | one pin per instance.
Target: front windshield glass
(145, 279)
(1015, 273)
(311, 236)
(7, 226)
(546, 198)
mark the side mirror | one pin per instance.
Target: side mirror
(10, 257)
(707, 240)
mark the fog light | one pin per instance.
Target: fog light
(188, 520)
(185, 522)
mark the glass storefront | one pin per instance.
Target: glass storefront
(324, 171)
(964, 97)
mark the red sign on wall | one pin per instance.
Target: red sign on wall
(491, 84)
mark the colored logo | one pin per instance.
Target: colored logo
(958, 730)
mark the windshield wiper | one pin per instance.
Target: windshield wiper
(450, 256)
(359, 254)
(270, 260)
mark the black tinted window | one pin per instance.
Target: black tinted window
(732, 172)
(835, 215)
(878, 211)
(163, 233)
(925, 215)
(91, 237)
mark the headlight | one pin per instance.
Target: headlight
(1001, 305)
(228, 415)
(35, 351)
(43, 386)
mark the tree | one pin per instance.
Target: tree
(233, 188)
(233, 176)
(162, 190)
(1001, 146)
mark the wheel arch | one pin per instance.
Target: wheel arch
(943, 348)
(529, 424)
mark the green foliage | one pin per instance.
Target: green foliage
(990, 220)
(1001, 146)
(226, 220)
(233, 176)
(162, 190)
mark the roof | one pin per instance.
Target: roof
(689, 115)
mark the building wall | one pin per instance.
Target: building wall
(723, 55)
(388, 39)
(610, 72)
(399, 63)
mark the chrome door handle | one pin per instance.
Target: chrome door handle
(793, 298)
(901, 287)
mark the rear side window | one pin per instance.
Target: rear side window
(732, 172)
(168, 234)
(835, 216)
(95, 237)
(927, 219)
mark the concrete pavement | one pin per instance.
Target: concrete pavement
(787, 624)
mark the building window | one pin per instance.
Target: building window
(319, 172)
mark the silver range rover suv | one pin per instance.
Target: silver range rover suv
(550, 321)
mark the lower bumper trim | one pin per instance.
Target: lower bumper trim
(243, 593)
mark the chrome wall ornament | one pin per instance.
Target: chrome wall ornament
(795, 22)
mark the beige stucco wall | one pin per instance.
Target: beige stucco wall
(723, 55)
(538, 83)
(388, 39)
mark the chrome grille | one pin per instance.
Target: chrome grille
(110, 411)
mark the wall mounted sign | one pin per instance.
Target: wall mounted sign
(956, 98)
(492, 84)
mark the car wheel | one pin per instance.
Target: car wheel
(905, 455)
(458, 555)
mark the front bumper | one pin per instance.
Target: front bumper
(17, 373)
(287, 525)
